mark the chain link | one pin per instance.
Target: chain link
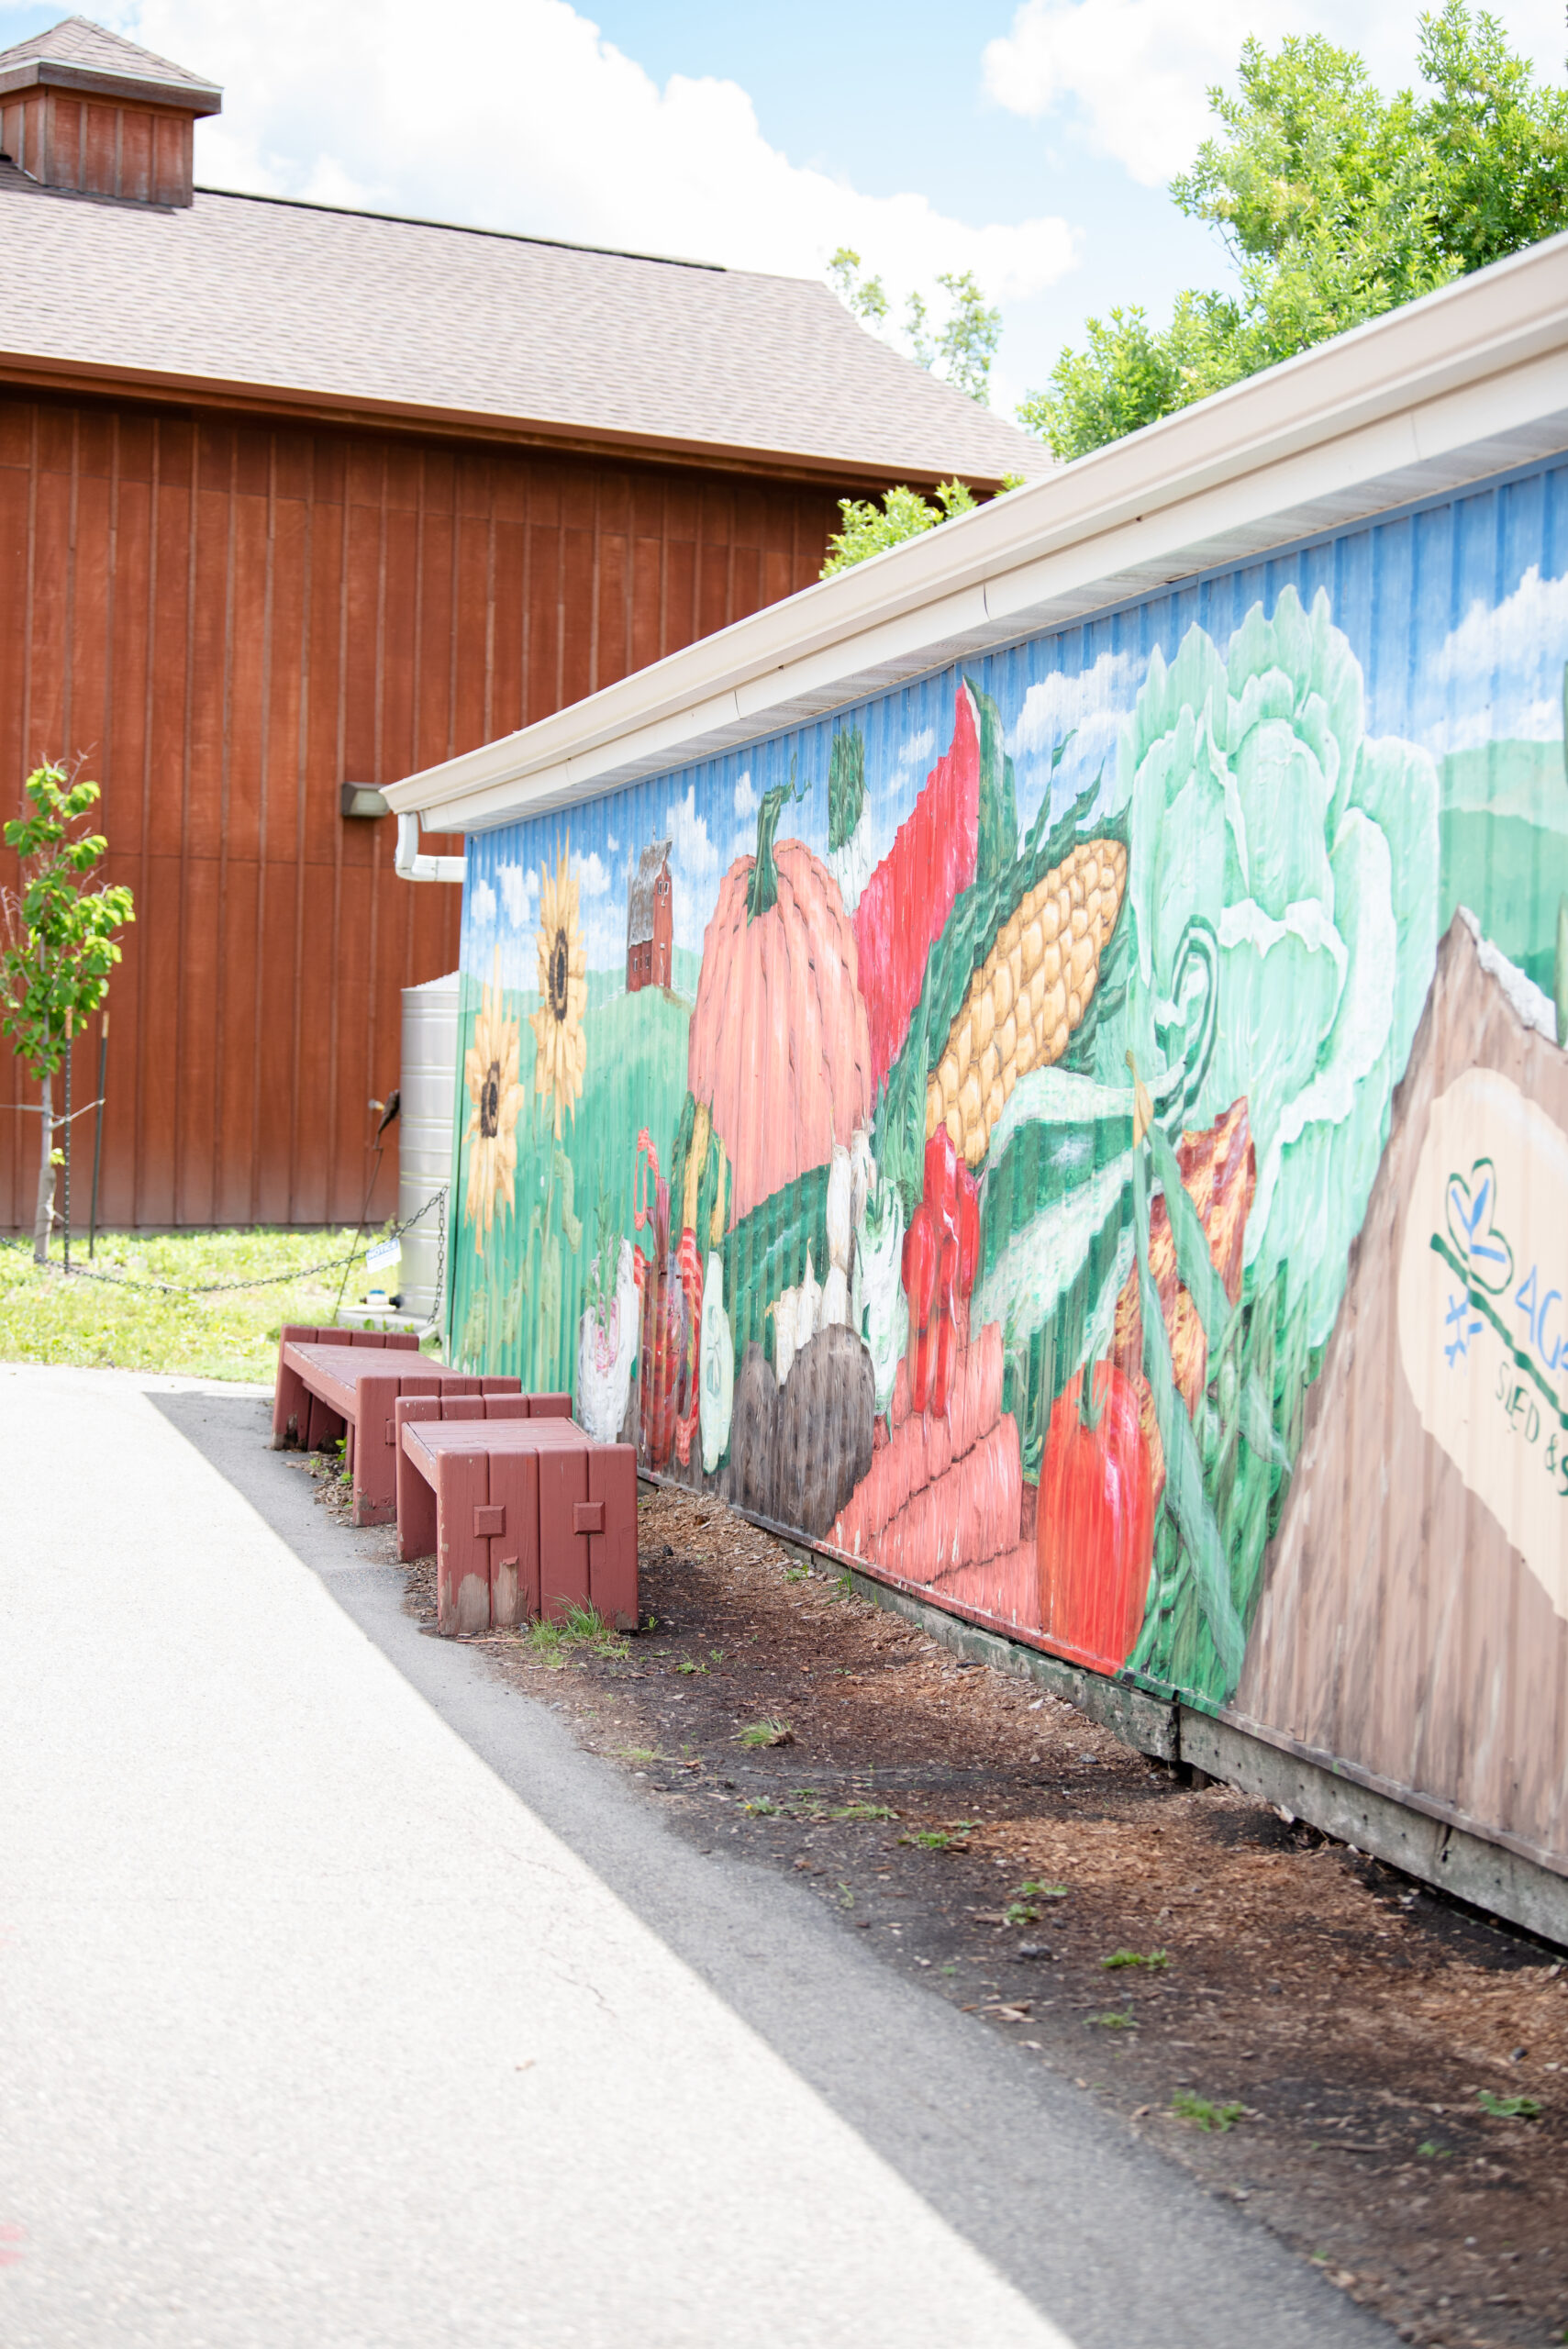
(266, 1280)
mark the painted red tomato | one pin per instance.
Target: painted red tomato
(1095, 1528)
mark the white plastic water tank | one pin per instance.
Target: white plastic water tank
(424, 1133)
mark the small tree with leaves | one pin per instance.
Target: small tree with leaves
(59, 946)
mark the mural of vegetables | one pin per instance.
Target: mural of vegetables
(904, 906)
(778, 1050)
(987, 1204)
(1096, 1521)
(1029, 995)
(941, 1249)
(1260, 806)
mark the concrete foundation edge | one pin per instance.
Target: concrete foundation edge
(1467, 1866)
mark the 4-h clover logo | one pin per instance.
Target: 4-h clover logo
(1471, 1206)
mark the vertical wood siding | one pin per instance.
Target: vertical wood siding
(227, 622)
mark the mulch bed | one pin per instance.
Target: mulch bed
(1343, 2021)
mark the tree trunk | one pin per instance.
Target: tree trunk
(44, 1219)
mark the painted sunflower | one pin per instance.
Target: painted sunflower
(562, 1053)
(491, 1070)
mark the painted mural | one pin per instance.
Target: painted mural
(946, 1130)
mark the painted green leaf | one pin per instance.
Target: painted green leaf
(846, 786)
(1184, 1495)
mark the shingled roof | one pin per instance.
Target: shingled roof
(77, 54)
(307, 306)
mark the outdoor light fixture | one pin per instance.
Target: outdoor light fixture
(363, 800)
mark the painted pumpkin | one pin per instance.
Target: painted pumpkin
(779, 1046)
(1095, 1524)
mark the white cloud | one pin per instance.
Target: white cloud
(1134, 72)
(1498, 675)
(560, 134)
(593, 876)
(481, 905)
(746, 800)
(919, 750)
(692, 852)
(612, 843)
(1092, 708)
(519, 894)
(694, 869)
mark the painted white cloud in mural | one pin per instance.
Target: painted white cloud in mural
(694, 866)
(519, 894)
(1499, 674)
(593, 876)
(746, 800)
(481, 905)
(1135, 73)
(1092, 708)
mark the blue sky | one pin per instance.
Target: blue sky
(1027, 139)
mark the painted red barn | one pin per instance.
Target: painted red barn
(649, 921)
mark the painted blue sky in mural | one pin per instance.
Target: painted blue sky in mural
(1458, 615)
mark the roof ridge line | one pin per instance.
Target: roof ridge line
(466, 228)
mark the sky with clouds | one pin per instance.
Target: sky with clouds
(1029, 141)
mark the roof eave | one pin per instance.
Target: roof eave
(1462, 383)
(44, 370)
(182, 97)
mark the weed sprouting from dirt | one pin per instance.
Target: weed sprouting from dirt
(582, 1631)
(1202, 2113)
(1154, 1961)
(759, 1733)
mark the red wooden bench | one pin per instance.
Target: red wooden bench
(526, 1515)
(342, 1384)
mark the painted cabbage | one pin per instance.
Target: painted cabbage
(1258, 806)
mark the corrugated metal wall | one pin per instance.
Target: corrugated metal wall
(228, 620)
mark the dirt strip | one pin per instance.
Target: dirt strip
(1376, 2074)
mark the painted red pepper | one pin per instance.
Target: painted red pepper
(942, 1253)
(1095, 1536)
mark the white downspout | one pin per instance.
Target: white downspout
(411, 866)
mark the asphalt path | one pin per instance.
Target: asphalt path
(343, 2000)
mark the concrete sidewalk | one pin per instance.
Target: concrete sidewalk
(313, 2031)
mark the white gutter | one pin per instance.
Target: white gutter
(1468, 382)
(410, 865)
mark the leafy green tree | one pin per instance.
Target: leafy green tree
(961, 348)
(1334, 205)
(59, 946)
(864, 296)
(869, 528)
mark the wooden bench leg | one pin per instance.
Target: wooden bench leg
(514, 1547)
(462, 1541)
(612, 1547)
(323, 1427)
(289, 1409)
(562, 1549)
(416, 1498)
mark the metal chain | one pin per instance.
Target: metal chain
(266, 1280)
(440, 1298)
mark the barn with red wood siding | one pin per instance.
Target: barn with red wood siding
(292, 498)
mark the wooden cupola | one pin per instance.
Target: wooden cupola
(81, 109)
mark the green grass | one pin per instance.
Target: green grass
(1507, 2107)
(942, 1839)
(1204, 2115)
(1155, 1960)
(96, 1324)
(582, 1631)
(757, 1733)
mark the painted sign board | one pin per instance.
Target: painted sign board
(989, 1189)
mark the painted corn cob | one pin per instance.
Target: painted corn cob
(1028, 995)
